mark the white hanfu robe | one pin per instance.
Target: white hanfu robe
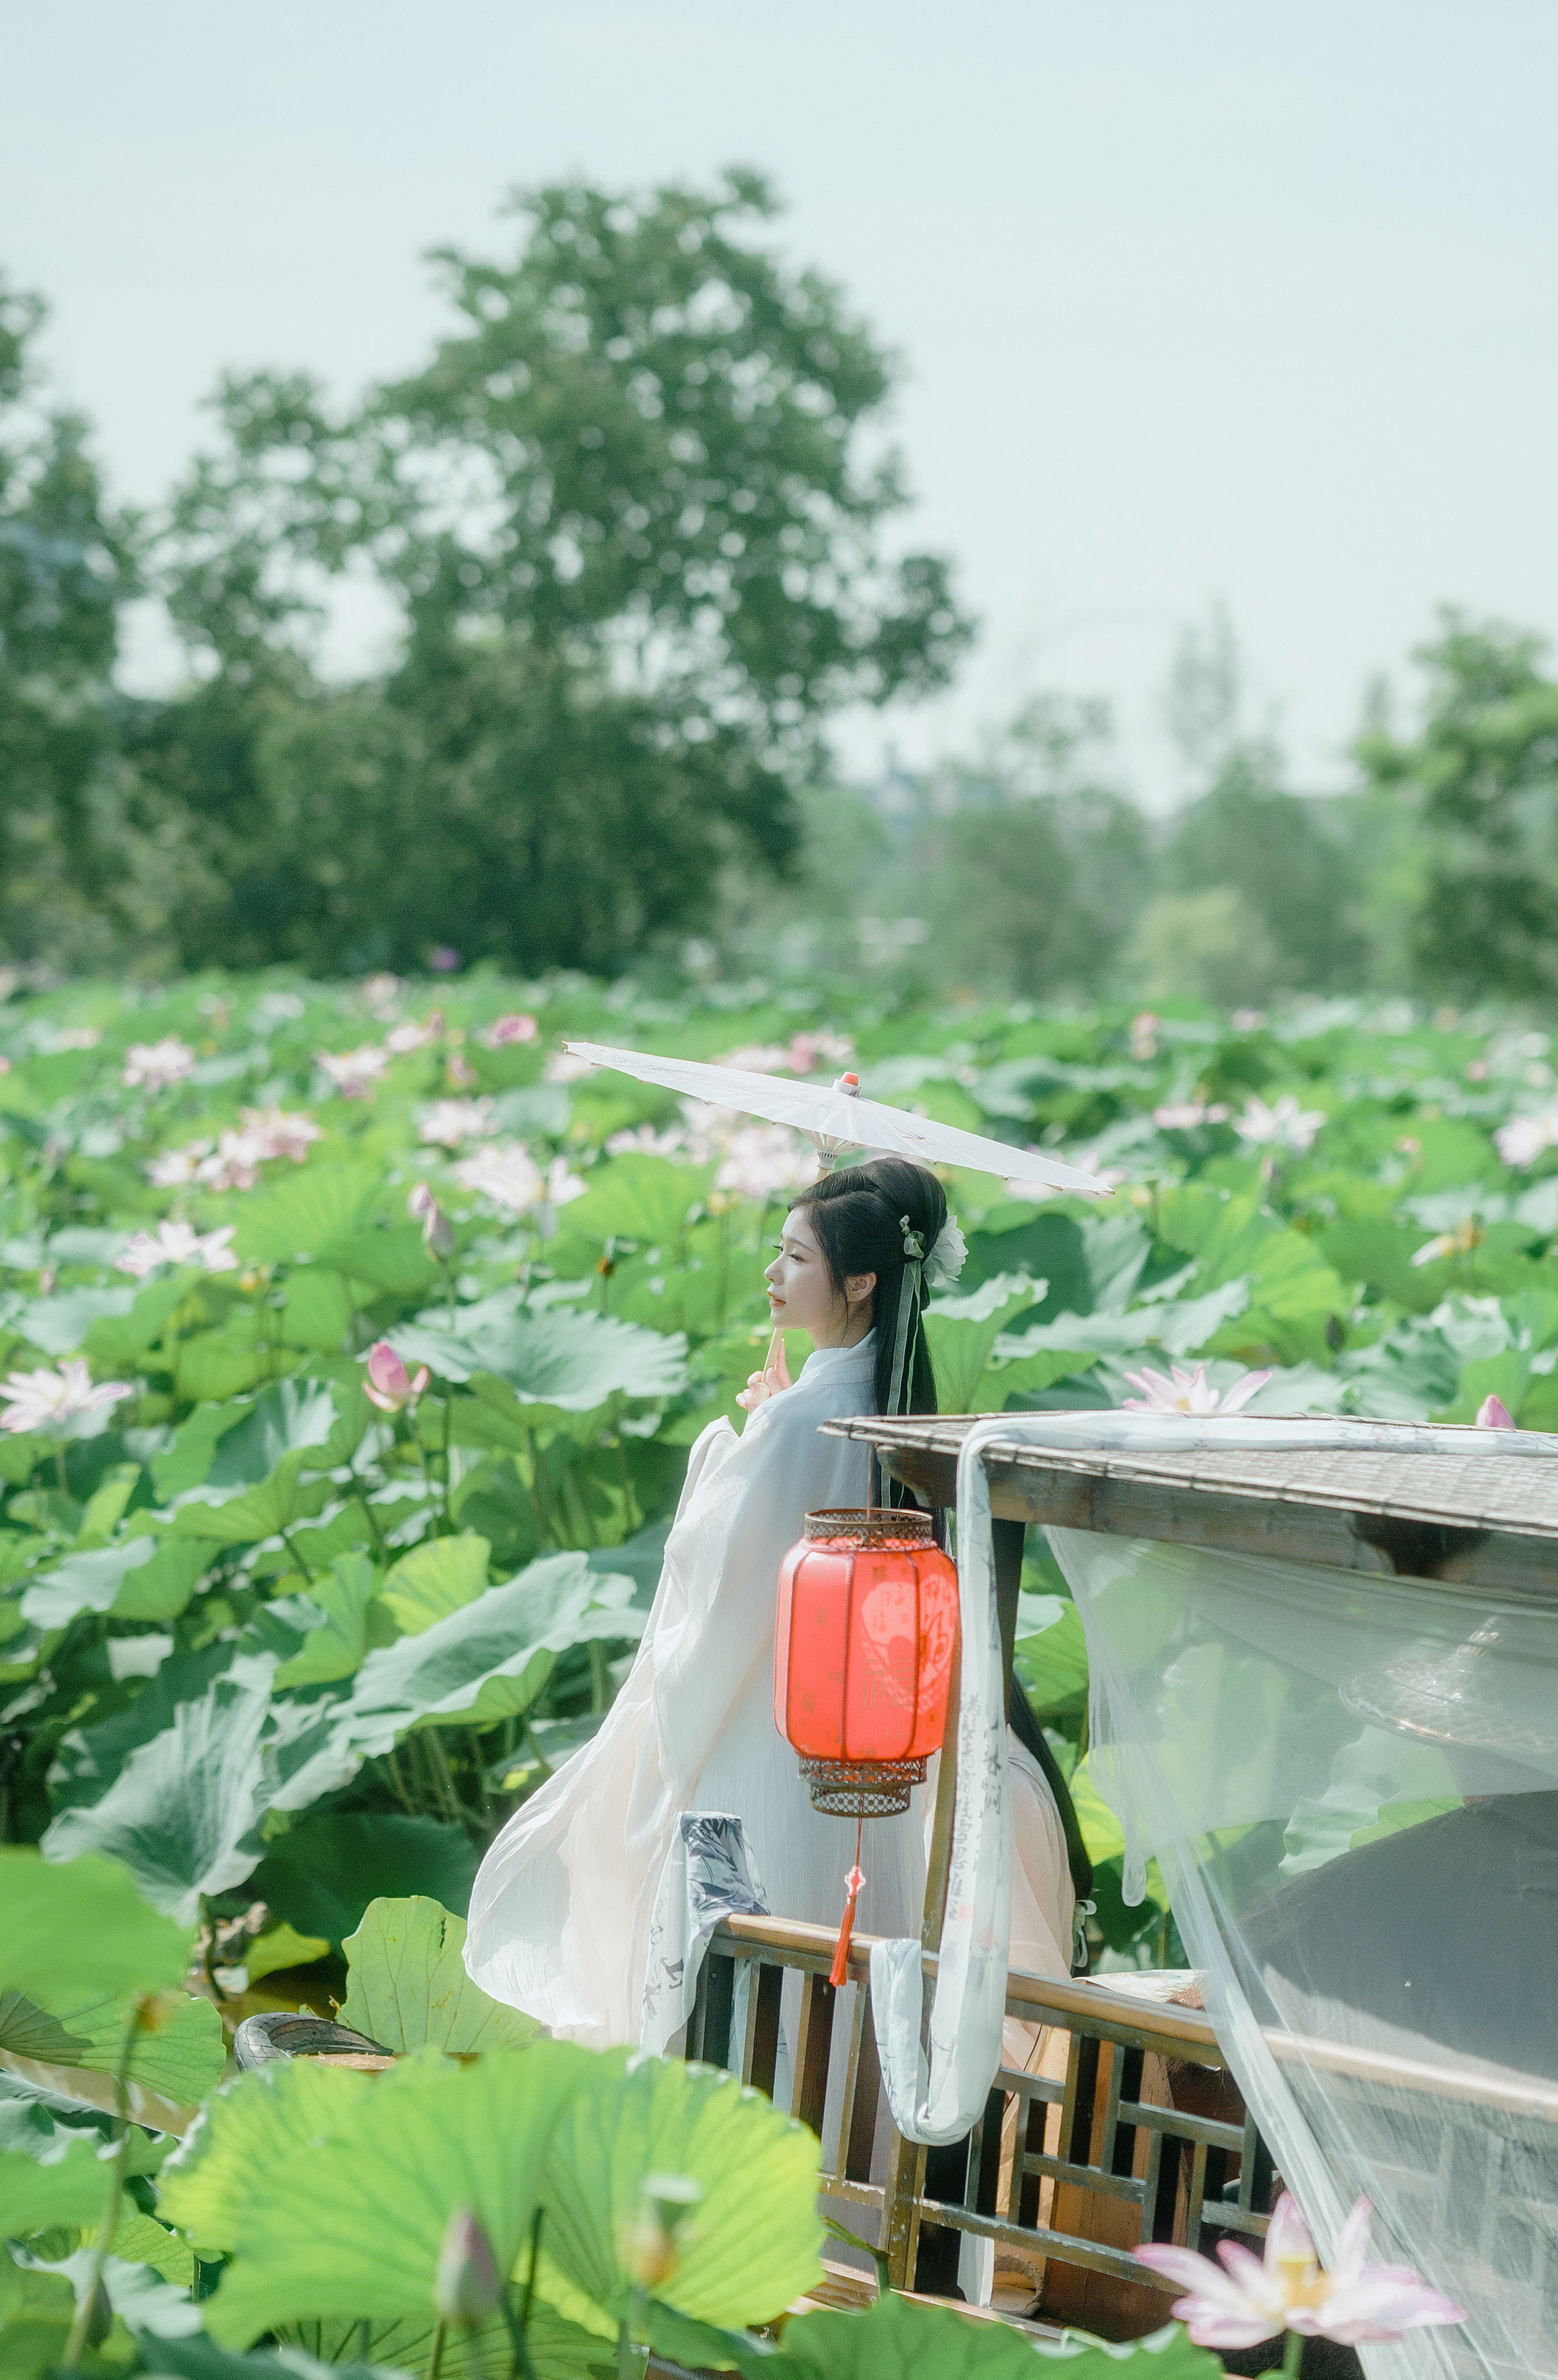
(560, 1914)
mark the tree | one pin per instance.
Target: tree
(67, 569)
(1288, 861)
(1482, 775)
(632, 514)
(1033, 867)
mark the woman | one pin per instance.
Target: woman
(560, 1918)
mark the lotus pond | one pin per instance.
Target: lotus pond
(289, 1628)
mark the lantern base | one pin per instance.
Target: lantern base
(862, 1789)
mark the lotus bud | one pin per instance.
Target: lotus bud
(99, 2316)
(651, 2250)
(389, 1385)
(421, 1201)
(438, 1233)
(466, 2287)
(1493, 1414)
(462, 1074)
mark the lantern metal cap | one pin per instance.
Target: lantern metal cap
(877, 1527)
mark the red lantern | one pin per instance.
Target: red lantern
(862, 1663)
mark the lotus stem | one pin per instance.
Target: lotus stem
(435, 2357)
(1293, 2355)
(76, 2344)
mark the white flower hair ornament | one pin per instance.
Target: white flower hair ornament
(949, 1253)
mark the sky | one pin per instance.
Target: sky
(1197, 301)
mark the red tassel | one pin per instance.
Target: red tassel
(838, 1974)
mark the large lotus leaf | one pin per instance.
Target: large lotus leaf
(1053, 1667)
(317, 1310)
(141, 1578)
(640, 1198)
(301, 1215)
(89, 1759)
(244, 2132)
(59, 1324)
(437, 1579)
(395, 1260)
(36, 2313)
(182, 1813)
(1412, 1372)
(756, 2239)
(336, 1647)
(180, 2058)
(325, 2350)
(896, 2339)
(215, 1365)
(257, 1513)
(324, 1873)
(352, 2224)
(185, 1463)
(549, 1355)
(492, 1658)
(410, 1989)
(118, 1342)
(71, 2192)
(963, 1331)
(83, 1928)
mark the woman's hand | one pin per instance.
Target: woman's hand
(774, 1377)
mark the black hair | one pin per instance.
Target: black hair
(1023, 1720)
(858, 1215)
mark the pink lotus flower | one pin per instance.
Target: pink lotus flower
(275, 1133)
(381, 990)
(176, 1168)
(444, 960)
(153, 1065)
(462, 1074)
(1144, 1037)
(1189, 1392)
(1524, 1138)
(1493, 1414)
(1286, 1125)
(644, 1141)
(177, 1244)
(449, 1122)
(1248, 2299)
(761, 1160)
(1187, 1114)
(403, 1039)
(353, 1072)
(43, 1400)
(505, 1030)
(76, 1037)
(389, 1385)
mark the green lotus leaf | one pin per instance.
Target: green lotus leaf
(571, 1360)
(351, 2222)
(80, 1928)
(395, 1260)
(257, 1513)
(71, 2192)
(755, 2240)
(247, 2130)
(139, 1578)
(437, 1579)
(963, 1331)
(180, 2058)
(36, 2313)
(59, 1324)
(895, 2340)
(183, 1811)
(281, 1947)
(409, 1988)
(331, 1864)
(640, 1198)
(337, 1647)
(301, 1215)
(492, 1658)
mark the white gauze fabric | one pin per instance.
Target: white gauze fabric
(1350, 1784)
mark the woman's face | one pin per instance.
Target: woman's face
(801, 1296)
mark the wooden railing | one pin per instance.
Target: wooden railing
(1123, 2126)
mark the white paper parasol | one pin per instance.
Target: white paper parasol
(834, 1117)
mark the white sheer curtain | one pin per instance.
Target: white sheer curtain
(1351, 1784)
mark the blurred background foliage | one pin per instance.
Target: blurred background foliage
(632, 528)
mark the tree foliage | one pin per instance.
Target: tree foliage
(632, 514)
(1481, 777)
